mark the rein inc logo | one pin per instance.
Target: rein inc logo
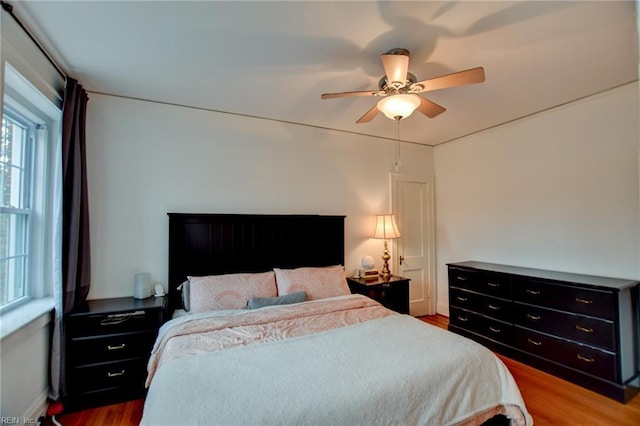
(14, 420)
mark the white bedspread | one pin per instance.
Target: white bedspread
(393, 370)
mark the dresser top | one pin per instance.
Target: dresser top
(613, 283)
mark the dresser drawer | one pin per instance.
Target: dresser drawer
(601, 304)
(497, 285)
(486, 305)
(94, 377)
(491, 328)
(111, 323)
(579, 328)
(580, 357)
(462, 278)
(95, 349)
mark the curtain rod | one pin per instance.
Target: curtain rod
(9, 9)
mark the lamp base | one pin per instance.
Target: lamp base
(385, 273)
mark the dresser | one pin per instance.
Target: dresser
(108, 345)
(582, 328)
(393, 293)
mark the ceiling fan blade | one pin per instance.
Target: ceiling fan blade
(461, 78)
(346, 94)
(430, 109)
(369, 115)
(395, 67)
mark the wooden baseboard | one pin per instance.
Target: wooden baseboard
(37, 409)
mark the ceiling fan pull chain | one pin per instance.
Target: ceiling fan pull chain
(398, 162)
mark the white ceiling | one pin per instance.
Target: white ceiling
(274, 59)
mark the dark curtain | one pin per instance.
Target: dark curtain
(76, 256)
(75, 249)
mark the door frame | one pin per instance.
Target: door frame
(430, 239)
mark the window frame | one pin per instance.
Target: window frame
(22, 102)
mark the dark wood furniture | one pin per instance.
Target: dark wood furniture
(582, 328)
(392, 293)
(108, 346)
(213, 244)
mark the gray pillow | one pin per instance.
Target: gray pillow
(186, 300)
(261, 302)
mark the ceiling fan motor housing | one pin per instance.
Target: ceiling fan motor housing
(398, 51)
(394, 86)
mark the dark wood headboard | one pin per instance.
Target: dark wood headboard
(213, 244)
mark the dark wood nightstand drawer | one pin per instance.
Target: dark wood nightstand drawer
(92, 349)
(580, 328)
(94, 377)
(111, 323)
(584, 301)
(581, 357)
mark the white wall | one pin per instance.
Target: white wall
(557, 190)
(24, 370)
(24, 353)
(146, 159)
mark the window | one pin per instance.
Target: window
(15, 213)
(26, 208)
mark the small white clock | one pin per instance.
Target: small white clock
(159, 290)
(367, 262)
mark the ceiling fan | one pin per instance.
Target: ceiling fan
(399, 88)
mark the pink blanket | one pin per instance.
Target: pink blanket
(193, 335)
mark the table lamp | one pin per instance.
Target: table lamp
(386, 229)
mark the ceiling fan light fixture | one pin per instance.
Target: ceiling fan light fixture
(400, 105)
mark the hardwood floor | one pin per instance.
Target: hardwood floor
(124, 414)
(550, 401)
(553, 401)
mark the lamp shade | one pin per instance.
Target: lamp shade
(386, 227)
(401, 105)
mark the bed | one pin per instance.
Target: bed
(272, 335)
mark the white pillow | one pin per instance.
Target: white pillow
(318, 283)
(230, 291)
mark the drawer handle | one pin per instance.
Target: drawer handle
(463, 319)
(585, 301)
(116, 348)
(118, 374)
(461, 278)
(115, 319)
(494, 307)
(462, 299)
(495, 330)
(533, 317)
(584, 329)
(585, 358)
(534, 342)
(494, 285)
(533, 292)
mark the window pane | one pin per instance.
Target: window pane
(13, 162)
(13, 256)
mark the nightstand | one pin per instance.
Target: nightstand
(108, 346)
(392, 293)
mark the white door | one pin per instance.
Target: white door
(414, 252)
